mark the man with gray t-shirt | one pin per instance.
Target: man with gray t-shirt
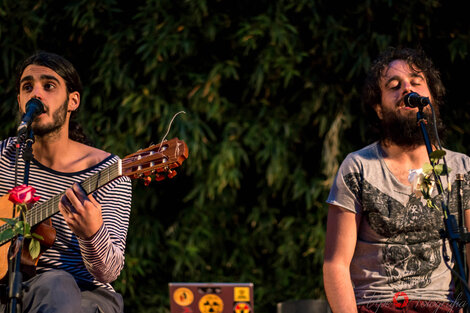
(384, 250)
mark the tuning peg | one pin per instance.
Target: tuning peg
(171, 173)
(159, 177)
(147, 180)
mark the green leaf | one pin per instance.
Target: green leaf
(442, 169)
(437, 155)
(427, 168)
(37, 236)
(34, 248)
(19, 227)
(6, 234)
(9, 221)
(438, 169)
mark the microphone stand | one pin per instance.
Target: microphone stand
(15, 277)
(462, 228)
(451, 228)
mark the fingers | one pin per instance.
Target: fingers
(74, 198)
(79, 192)
(81, 212)
(93, 200)
(73, 201)
(66, 204)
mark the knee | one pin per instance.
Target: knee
(57, 281)
(55, 290)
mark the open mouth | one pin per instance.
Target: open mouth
(401, 104)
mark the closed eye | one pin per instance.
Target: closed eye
(417, 82)
(394, 84)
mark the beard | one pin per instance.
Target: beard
(58, 121)
(406, 132)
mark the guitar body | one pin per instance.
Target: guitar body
(28, 265)
(6, 209)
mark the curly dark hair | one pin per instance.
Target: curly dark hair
(67, 71)
(417, 60)
(372, 94)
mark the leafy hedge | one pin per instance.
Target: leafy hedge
(271, 91)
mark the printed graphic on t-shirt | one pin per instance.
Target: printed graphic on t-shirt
(412, 248)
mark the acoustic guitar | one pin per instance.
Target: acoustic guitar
(158, 161)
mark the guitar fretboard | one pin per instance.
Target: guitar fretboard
(44, 210)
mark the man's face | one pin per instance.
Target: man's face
(399, 123)
(46, 85)
(398, 80)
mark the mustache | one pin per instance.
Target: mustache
(401, 101)
(21, 112)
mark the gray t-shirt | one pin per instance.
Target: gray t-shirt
(399, 248)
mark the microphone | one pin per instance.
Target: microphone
(34, 107)
(414, 100)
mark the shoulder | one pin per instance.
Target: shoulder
(88, 156)
(7, 142)
(369, 151)
(458, 160)
(456, 155)
(8, 146)
(367, 154)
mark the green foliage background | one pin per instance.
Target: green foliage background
(271, 91)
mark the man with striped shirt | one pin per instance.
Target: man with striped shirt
(74, 275)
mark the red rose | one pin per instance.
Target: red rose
(23, 194)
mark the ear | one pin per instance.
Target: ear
(18, 101)
(74, 101)
(378, 110)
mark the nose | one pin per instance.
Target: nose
(36, 97)
(37, 92)
(407, 87)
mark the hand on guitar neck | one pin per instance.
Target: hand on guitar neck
(81, 212)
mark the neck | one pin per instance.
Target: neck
(411, 157)
(52, 149)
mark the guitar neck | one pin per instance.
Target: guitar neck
(44, 210)
(158, 161)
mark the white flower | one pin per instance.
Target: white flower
(416, 178)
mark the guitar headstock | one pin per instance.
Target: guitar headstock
(159, 160)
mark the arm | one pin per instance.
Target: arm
(341, 237)
(101, 226)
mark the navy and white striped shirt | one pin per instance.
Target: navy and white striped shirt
(99, 260)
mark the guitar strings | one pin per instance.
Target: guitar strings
(51, 206)
(133, 159)
(169, 127)
(35, 214)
